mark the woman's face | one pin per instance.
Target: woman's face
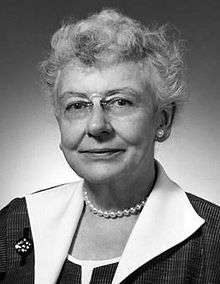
(106, 121)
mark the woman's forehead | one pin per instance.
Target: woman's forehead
(93, 79)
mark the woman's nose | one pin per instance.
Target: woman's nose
(98, 124)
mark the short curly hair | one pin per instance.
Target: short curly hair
(110, 37)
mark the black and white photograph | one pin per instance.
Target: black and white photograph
(110, 137)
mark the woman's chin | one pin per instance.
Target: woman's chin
(98, 171)
(99, 174)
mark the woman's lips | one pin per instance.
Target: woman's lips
(102, 153)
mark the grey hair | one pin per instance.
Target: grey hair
(110, 37)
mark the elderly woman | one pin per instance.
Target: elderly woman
(116, 87)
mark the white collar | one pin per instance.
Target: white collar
(167, 219)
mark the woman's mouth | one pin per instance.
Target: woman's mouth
(100, 154)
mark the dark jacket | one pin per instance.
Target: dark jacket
(195, 260)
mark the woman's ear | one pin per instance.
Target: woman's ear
(164, 122)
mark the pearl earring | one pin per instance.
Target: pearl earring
(160, 133)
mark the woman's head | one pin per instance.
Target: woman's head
(114, 84)
(109, 38)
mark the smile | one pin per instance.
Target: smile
(102, 154)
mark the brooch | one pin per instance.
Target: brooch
(24, 246)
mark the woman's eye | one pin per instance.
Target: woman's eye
(77, 106)
(121, 102)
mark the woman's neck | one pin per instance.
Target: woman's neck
(121, 193)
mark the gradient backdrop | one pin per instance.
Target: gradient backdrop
(30, 156)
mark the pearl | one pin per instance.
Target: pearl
(94, 210)
(132, 210)
(126, 212)
(112, 215)
(100, 213)
(106, 214)
(160, 133)
(138, 207)
(119, 213)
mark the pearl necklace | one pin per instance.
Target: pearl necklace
(136, 209)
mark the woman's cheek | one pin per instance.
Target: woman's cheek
(70, 136)
(136, 131)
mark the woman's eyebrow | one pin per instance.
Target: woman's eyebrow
(105, 94)
(73, 94)
(121, 90)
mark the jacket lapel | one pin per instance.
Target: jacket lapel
(167, 219)
(54, 215)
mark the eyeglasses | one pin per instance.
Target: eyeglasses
(117, 105)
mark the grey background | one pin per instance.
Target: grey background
(30, 156)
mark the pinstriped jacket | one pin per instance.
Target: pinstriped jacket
(193, 259)
(196, 260)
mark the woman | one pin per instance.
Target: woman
(116, 87)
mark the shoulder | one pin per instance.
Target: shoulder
(15, 211)
(210, 237)
(12, 217)
(18, 205)
(14, 227)
(207, 210)
(210, 213)
(15, 216)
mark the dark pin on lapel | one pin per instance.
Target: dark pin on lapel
(24, 246)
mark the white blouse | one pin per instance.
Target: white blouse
(87, 266)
